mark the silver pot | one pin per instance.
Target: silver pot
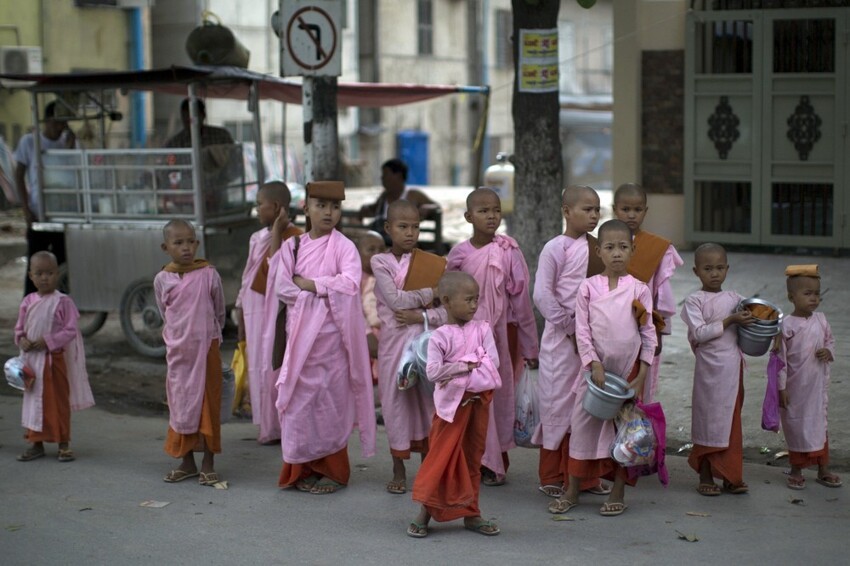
(758, 321)
(605, 403)
(755, 343)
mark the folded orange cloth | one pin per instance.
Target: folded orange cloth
(425, 271)
(763, 312)
(810, 270)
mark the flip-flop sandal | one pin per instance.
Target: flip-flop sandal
(307, 483)
(561, 506)
(709, 489)
(66, 455)
(175, 476)
(209, 478)
(798, 482)
(612, 509)
(30, 454)
(600, 489)
(736, 489)
(829, 480)
(325, 487)
(486, 528)
(492, 479)
(551, 490)
(416, 530)
(396, 487)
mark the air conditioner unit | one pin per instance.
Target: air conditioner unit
(19, 60)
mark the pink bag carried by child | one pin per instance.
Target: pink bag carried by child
(770, 406)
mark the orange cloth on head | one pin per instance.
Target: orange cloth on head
(552, 467)
(649, 251)
(809, 459)
(420, 446)
(807, 270)
(208, 437)
(449, 479)
(334, 467)
(56, 403)
(726, 463)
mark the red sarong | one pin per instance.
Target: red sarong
(335, 467)
(726, 463)
(56, 403)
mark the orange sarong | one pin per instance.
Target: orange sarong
(335, 467)
(552, 467)
(449, 479)
(56, 403)
(809, 459)
(420, 446)
(726, 463)
(208, 437)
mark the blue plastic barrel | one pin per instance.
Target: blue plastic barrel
(412, 148)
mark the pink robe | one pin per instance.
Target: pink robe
(806, 380)
(717, 371)
(560, 270)
(192, 306)
(607, 332)
(450, 349)
(407, 414)
(52, 317)
(502, 276)
(260, 379)
(325, 383)
(665, 304)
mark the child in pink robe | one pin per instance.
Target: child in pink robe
(718, 391)
(463, 362)
(562, 266)
(52, 347)
(368, 245)
(609, 340)
(654, 262)
(325, 383)
(191, 300)
(407, 414)
(806, 348)
(497, 264)
(273, 200)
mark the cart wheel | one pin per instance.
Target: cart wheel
(90, 321)
(140, 319)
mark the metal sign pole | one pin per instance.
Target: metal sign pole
(307, 110)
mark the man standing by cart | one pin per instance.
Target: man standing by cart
(55, 134)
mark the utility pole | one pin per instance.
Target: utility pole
(310, 46)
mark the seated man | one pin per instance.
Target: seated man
(218, 163)
(394, 180)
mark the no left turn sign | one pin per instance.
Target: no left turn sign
(311, 43)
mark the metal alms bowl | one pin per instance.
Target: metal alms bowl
(755, 343)
(761, 302)
(605, 403)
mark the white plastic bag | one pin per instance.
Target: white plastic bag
(527, 409)
(635, 442)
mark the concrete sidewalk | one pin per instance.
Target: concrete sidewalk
(87, 512)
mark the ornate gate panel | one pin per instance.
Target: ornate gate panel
(766, 114)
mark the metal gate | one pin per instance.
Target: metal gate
(766, 127)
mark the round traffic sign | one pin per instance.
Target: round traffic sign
(311, 38)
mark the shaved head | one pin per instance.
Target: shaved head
(708, 248)
(278, 192)
(370, 236)
(797, 282)
(402, 208)
(44, 256)
(174, 224)
(453, 281)
(627, 190)
(614, 227)
(574, 193)
(480, 194)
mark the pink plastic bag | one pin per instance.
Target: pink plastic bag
(770, 406)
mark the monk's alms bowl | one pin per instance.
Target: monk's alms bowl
(604, 403)
(755, 342)
(754, 301)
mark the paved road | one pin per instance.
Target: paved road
(87, 512)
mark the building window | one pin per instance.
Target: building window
(241, 131)
(425, 26)
(504, 45)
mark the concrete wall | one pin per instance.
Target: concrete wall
(71, 38)
(643, 25)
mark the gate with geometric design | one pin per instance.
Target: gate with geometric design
(766, 134)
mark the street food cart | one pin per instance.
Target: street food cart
(111, 204)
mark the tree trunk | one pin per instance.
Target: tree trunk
(537, 145)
